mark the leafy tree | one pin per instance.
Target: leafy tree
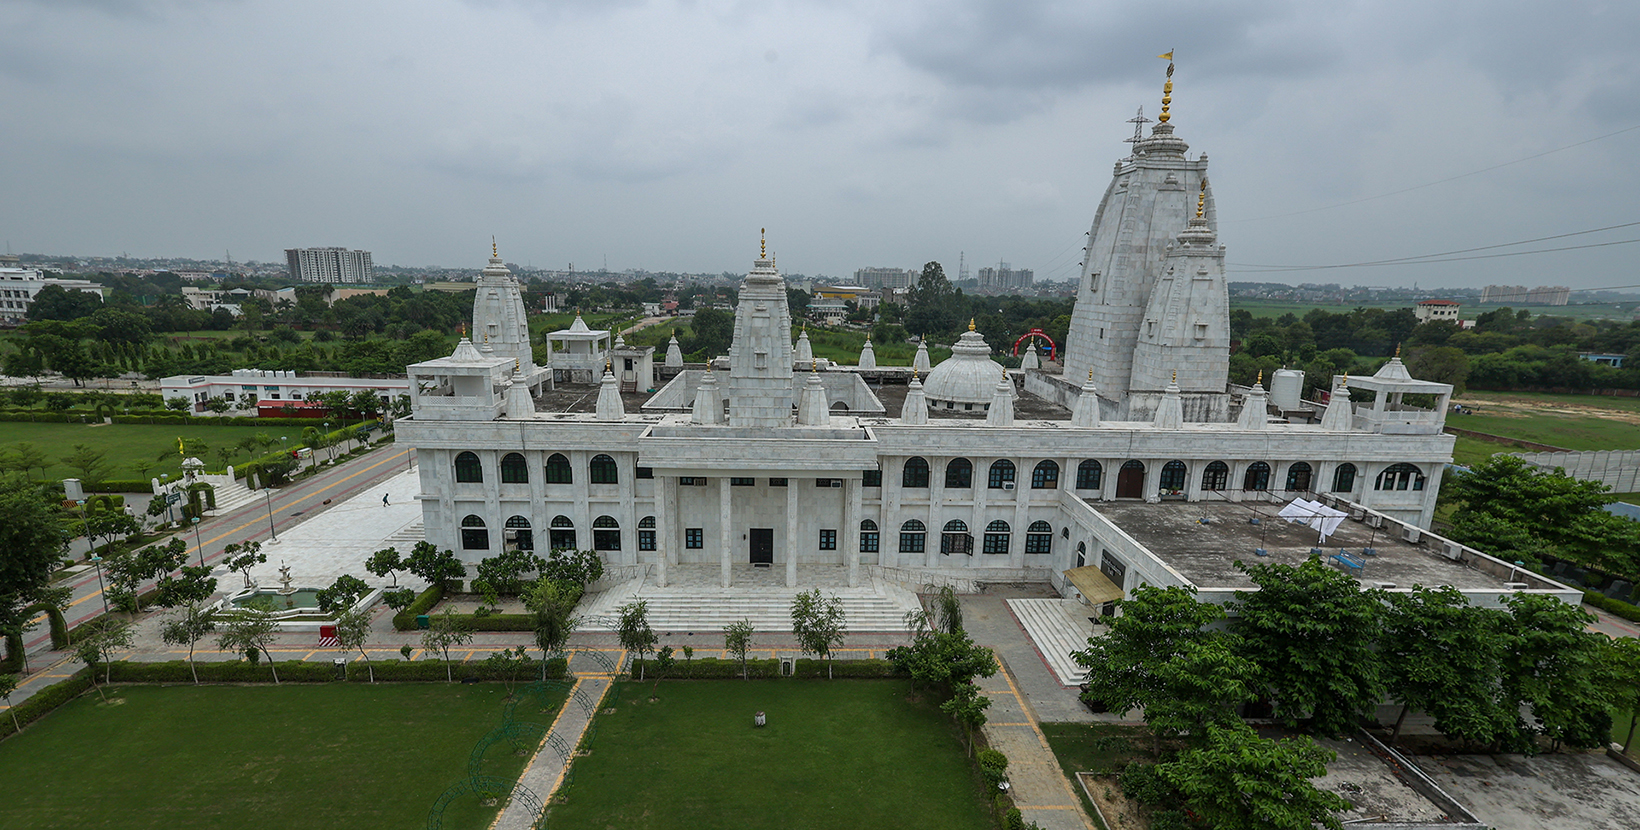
(1445, 657)
(26, 456)
(664, 661)
(506, 570)
(99, 639)
(240, 557)
(342, 594)
(253, 629)
(737, 640)
(635, 633)
(190, 626)
(399, 598)
(944, 660)
(509, 665)
(127, 573)
(1155, 627)
(90, 463)
(552, 605)
(55, 302)
(967, 707)
(582, 567)
(1312, 633)
(446, 631)
(352, 632)
(191, 584)
(818, 624)
(8, 684)
(711, 331)
(931, 306)
(385, 563)
(177, 404)
(1235, 780)
(109, 525)
(1622, 660)
(1506, 507)
(1553, 665)
(436, 566)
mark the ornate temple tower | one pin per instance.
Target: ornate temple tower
(760, 357)
(1121, 300)
(498, 320)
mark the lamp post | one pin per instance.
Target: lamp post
(267, 495)
(199, 544)
(102, 592)
(326, 441)
(165, 493)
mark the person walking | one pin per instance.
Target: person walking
(384, 500)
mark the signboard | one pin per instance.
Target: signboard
(173, 498)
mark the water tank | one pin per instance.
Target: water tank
(1286, 389)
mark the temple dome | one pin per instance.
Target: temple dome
(969, 376)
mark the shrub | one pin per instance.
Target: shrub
(41, 703)
(406, 619)
(846, 668)
(430, 669)
(176, 671)
(711, 668)
(124, 485)
(993, 765)
(1618, 607)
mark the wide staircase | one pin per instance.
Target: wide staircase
(230, 493)
(694, 599)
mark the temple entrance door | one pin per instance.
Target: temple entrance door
(1130, 482)
(762, 542)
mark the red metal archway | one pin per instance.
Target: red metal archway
(1052, 347)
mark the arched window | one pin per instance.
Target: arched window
(1344, 478)
(562, 534)
(915, 473)
(1401, 477)
(606, 533)
(1087, 475)
(1257, 477)
(468, 470)
(1081, 554)
(1173, 473)
(959, 474)
(514, 470)
(1216, 476)
(1002, 475)
(602, 470)
(646, 533)
(996, 537)
(474, 536)
(1045, 476)
(1298, 476)
(558, 470)
(913, 537)
(954, 538)
(1039, 538)
(518, 533)
(869, 537)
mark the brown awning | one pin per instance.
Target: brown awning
(1094, 585)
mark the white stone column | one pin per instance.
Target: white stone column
(627, 510)
(663, 526)
(724, 531)
(1021, 521)
(851, 529)
(1108, 477)
(791, 534)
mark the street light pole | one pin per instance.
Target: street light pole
(199, 544)
(102, 592)
(267, 494)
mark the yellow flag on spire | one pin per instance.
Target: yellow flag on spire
(1166, 57)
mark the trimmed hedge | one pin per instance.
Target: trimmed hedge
(237, 671)
(203, 420)
(406, 620)
(46, 700)
(122, 485)
(431, 669)
(1618, 607)
(712, 668)
(846, 668)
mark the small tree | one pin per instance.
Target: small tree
(242, 556)
(1622, 661)
(1235, 780)
(737, 640)
(436, 566)
(509, 665)
(342, 594)
(1553, 665)
(385, 562)
(445, 631)
(251, 630)
(635, 633)
(664, 661)
(552, 604)
(967, 706)
(352, 630)
(8, 684)
(99, 639)
(90, 463)
(27, 457)
(947, 609)
(188, 628)
(818, 625)
(941, 659)
(191, 584)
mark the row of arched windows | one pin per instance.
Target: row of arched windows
(959, 474)
(515, 470)
(1215, 476)
(954, 537)
(606, 533)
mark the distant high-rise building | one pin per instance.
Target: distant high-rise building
(1549, 295)
(1541, 295)
(328, 265)
(1004, 278)
(885, 278)
(1503, 294)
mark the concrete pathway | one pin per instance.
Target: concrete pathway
(546, 770)
(1040, 789)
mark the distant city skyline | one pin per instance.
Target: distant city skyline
(859, 134)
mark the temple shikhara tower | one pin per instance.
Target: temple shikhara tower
(1153, 299)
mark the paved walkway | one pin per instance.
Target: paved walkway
(545, 771)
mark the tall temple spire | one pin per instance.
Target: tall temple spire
(1167, 88)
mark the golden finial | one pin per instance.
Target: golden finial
(494, 251)
(762, 244)
(486, 338)
(970, 324)
(1167, 88)
(461, 328)
(913, 373)
(516, 366)
(1259, 382)
(1176, 375)
(1397, 351)
(1201, 199)
(1343, 381)
(1090, 376)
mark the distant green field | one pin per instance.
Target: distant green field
(1572, 433)
(130, 443)
(1481, 398)
(1276, 308)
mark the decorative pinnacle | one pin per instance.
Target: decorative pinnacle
(516, 366)
(1260, 381)
(461, 328)
(1176, 375)
(762, 244)
(1343, 381)
(1201, 199)
(913, 373)
(1167, 88)
(970, 324)
(1090, 376)
(1397, 351)
(494, 251)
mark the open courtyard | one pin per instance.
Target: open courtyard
(291, 756)
(843, 753)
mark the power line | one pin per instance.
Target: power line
(1436, 261)
(1436, 182)
(1442, 254)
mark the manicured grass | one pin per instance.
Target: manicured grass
(835, 754)
(1569, 431)
(129, 443)
(1095, 747)
(339, 755)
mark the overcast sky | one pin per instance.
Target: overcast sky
(662, 135)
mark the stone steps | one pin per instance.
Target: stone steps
(1057, 627)
(407, 536)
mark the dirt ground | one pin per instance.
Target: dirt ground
(1625, 410)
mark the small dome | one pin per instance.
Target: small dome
(968, 376)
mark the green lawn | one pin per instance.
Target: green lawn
(1095, 747)
(339, 755)
(840, 753)
(129, 443)
(1569, 431)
